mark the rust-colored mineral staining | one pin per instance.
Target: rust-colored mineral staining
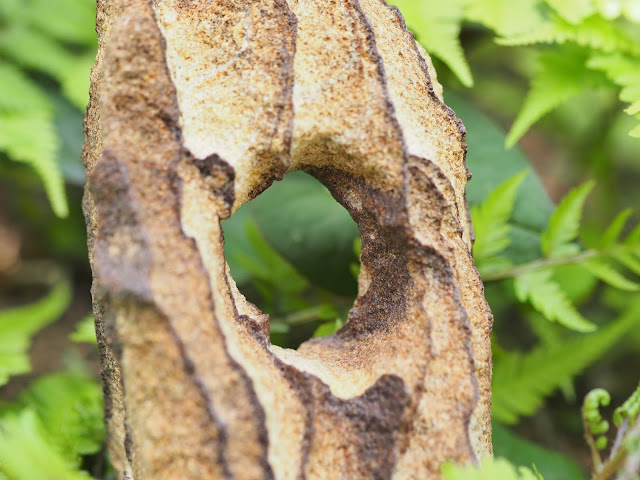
(197, 107)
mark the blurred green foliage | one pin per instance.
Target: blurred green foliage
(562, 75)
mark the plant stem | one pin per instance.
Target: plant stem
(595, 455)
(303, 316)
(518, 270)
(617, 444)
(612, 466)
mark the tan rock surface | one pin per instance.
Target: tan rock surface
(198, 106)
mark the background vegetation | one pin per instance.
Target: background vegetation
(557, 242)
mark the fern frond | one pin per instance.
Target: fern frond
(69, 21)
(489, 469)
(565, 222)
(437, 25)
(609, 274)
(75, 81)
(609, 9)
(69, 406)
(611, 254)
(268, 265)
(593, 32)
(13, 11)
(18, 325)
(32, 49)
(505, 17)
(628, 260)
(85, 331)
(612, 233)
(624, 72)
(522, 381)
(561, 75)
(19, 94)
(573, 11)
(22, 438)
(17, 139)
(491, 216)
(545, 295)
(630, 409)
(329, 328)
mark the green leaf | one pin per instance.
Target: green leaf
(489, 469)
(593, 32)
(628, 260)
(271, 267)
(505, 17)
(562, 74)
(574, 282)
(490, 219)
(551, 464)
(491, 165)
(609, 9)
(19, 94)
(630, 409)
(299, 216)
(70, 409)
(546, 297)
(328, 328)
(69, 21)
(18, 325)
(85, 331)
(68, 120)
(76, 79)
(624, 72)
(437, 25)
(17, 139)
(28, 452)
(565, 221)
(573, 11)
(613, 232)
(521, 381)
(607, 273)
(32, 49)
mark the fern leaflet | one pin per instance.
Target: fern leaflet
(630, 409)
(565, 222)
(562, 74)
(490, 219)
(505, 17)
(22, 439)
(64, 20)
(609, 274)
(437, 27)
(623, 71)
(85, 331)
(546, 296)
(573, 11)
(18, 140)
(612, 233)
(32, 49)
(69, 407)
(19, 93)
(593, 32)
(489, 469)
(522, 381)
(18, 325)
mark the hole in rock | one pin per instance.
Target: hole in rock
(293, 252)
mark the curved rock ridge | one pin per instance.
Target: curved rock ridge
(197, 106)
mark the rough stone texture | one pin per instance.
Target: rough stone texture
(198, 106)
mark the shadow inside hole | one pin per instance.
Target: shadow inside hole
(293, 252)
